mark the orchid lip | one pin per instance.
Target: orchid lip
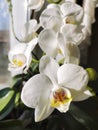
(60, 97)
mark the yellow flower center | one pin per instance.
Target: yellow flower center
(60, 96)
(19, 60)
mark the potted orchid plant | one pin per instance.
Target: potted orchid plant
(48, 78)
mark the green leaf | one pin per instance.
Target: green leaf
(83, 118)
(17, 99)
(63, 121)
(18, 77)
(16, 84)
(5, 100)
(8, 96)
(4, 91)
(7, 104)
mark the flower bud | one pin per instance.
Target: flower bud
(92, 74)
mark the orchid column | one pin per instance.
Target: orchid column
(20, 16)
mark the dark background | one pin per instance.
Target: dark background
(93, 49)
(90, 106)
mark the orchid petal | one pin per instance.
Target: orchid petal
(81, 95)
(72, 76)
(35, 4)
(69, 50)
(15, 71)
(35, 89)
(49, 67)
(73, 54)
(43, 109)
(48, 42)
(72, 9)
(18, 49)
(72, 33)
(51, 19)
(53, 6)
(31, 26)
(29, 30)
(17, 59)
(64, 108)
(30, 47)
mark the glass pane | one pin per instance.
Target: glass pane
(4, 43)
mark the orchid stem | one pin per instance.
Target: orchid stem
(35, 55)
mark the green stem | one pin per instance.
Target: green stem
(35, 55)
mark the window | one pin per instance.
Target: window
(4, 42)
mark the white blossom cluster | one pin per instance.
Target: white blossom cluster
(61, 79)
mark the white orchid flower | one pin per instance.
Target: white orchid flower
(35, 4)
(28, 32)
(20, 57)
(73, 33)
(55, 87)
(57, 45)
(69, 51)
(56, 16)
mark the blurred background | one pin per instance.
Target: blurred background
(4, 43)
